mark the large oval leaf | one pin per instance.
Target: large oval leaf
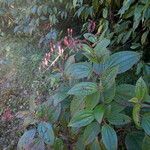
(37, 144)
(49, 111)
(81, 118)
(60, 95)
(80, 144)
(109, 94)
(119, 119)
(124, 93)
(101, 51)
(146, 143)
(79, 70)
(136, 114)
(91, 132)
(140, 89)
(125, 60)
(134, 140)
(95, 145)
(58, 145)
(83, 89)
(98, 68)
(45, 131)
(92, 100)
(109, 137)
(77, 104)
(90, 37)
(108, 77)
(146, 123)
(99, 113)
(26, 139)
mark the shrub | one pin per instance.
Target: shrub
(79, 100)
(89, 109)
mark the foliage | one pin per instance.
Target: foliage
(100, 117)
(85, 104)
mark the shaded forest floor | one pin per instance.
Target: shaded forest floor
(14, 98)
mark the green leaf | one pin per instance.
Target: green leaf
(146, 143)
(108, 77)
(79, 70)
(76, 105)
(82, 118)
(118, 119)
(86, 48)
(134, 100)
(49, 111)
(105, 13)
(83, 89)
(79, 11)
(125, 60)
(134, 140)
(136, 114)
(146, 123)
(116, 108)
(90, 37)
(75, 3)
(144, 37)
(135, 45)
(70, 60)
(140, 89)
(109, 137)
(138, 12)
(80, 144)
(125, 6)
(147, 98)
(26, 139)
(60, 95)
(54, 113)
(99, 113)
(109, 94)
(98, 68)
(37, 144)
(91, 132)
(45, 131)
(124, 93)
(44, 9)
(126, 36)
(101, 49)
(58, 145)
(95, 145)
(102, 44)
(92, 100)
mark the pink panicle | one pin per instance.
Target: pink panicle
(91, 26)
(69, 41)
(60, 50)
(70, 32)
(7, 115)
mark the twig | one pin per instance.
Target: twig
(56, 59)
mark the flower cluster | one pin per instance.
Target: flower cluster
(58, 48)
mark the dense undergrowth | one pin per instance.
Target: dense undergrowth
(83, 70)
